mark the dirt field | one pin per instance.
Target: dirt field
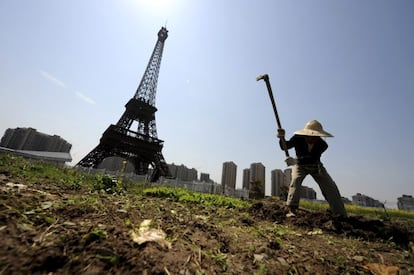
(46, 229)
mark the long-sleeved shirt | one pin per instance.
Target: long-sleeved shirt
(306, 154)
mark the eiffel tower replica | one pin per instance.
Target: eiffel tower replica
(140, 145)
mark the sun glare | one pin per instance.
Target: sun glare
(159, 7)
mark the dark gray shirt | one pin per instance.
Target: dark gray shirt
(303, 154)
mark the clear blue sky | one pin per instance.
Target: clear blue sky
(69, 67)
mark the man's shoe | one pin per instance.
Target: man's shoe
(290, 214)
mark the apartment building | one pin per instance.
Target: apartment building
(278, 186)
(257, 180)
(229, 174)
(406, 202)
(204, 177)
(246, 179)
(29, 143)
(182, 172)
(307, 193)
(363, 200)
(29, 139)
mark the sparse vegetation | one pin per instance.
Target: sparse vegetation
(363, 211)
(183, 195)
(60, 220)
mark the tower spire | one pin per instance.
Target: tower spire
(148, 86)
(140, 146)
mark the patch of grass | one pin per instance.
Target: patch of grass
(30, 172)
(184, 195)
(315, 206)
(34, 171)
(381, 213)
(362, 211)
(135, 188)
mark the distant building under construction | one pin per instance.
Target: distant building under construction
(30, 143)
(182, 172)
(257, 180)
(363, 200)
(406, 202)
(30, 139)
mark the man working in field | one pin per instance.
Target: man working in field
(309, 146)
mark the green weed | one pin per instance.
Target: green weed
(94, 235)
(219, 257)
(108, 184)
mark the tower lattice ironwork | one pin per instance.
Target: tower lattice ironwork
(139, 145)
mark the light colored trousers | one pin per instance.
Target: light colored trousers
(323, 179)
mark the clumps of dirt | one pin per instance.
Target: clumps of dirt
(362, 227)
(45, 229)
(48, 260)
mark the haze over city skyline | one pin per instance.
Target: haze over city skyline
(69, 67)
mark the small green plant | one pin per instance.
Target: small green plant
(49, 220)
(94, 235)
(262, 269)
(219, 257)
(108, 184)
(111, 260)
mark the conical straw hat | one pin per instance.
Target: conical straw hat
(313, 128)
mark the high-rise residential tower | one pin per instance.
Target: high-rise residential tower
(257, 180)
(277, 183)
(229, 174)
